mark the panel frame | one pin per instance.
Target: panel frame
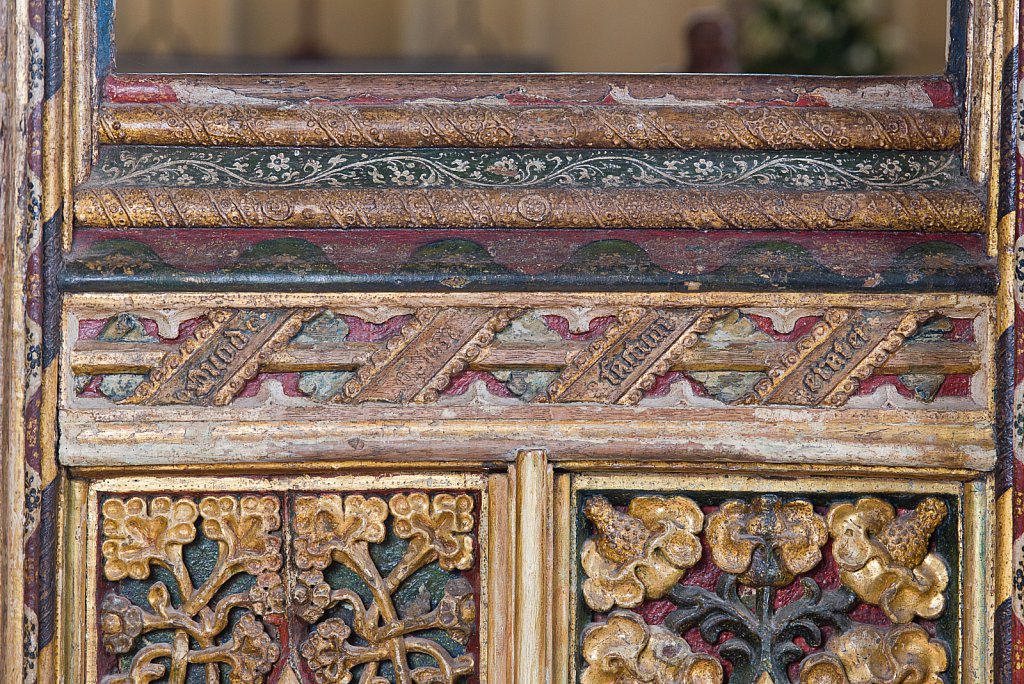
(976, 535)
(68, 151)
(81, 567)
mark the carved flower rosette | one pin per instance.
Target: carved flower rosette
(762, 590)
(885, 559)
(640, 553)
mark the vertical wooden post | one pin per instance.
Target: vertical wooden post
(15, 129)
(533, 554)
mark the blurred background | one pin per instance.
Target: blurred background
(834, 37)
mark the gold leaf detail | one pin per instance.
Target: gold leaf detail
(330, 529)
(444, 524)
(243, 529)
(874, 655)
(892, 343)
(885, 559)
(766, 542)
(328, 523)
(641, 553)
(136, 535)
(625, 650)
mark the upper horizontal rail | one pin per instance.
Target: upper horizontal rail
(591, 111)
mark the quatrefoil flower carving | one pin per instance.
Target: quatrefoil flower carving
(886, 560)
(625, 650)
(251, 653)
(330, 655)
(775, 607)
(121, 623)
(641, 553)
(766, 542)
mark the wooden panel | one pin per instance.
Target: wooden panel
(249, 577)
(724, 573)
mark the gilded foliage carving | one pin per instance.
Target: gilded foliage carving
(640, 553)
(339, 530)
(875, 655)
(332, 525)
(200, 592)
(625, 650)
(777, 602)
(440, 526)
(767, 542)
(136, 534)
(885, 558)
(139, 535)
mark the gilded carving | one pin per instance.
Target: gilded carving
(828, 363)
(625, 650)
(877, 655)
(334, 124)
(439, 526)
(885, 558)
(334, 529)
(890, 344)
(331, 525)
(640, 553)
(139, 534)
(776, 598)
(419, 363)
(384, 583)
(949, 210)
(623, 364)
(768, 541)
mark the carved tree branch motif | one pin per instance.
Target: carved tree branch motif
(140, 534)
(334, 529)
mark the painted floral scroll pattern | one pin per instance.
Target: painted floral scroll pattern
(792, 583)
(317, 168)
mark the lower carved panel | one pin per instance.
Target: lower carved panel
(329, 584)
(724, 581)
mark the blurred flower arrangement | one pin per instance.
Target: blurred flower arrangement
(832, 37)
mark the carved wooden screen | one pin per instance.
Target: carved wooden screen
(597, 379)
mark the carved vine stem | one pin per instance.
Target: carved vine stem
(438, 530)
(763, 637)
(763, 546)
(139, 533)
